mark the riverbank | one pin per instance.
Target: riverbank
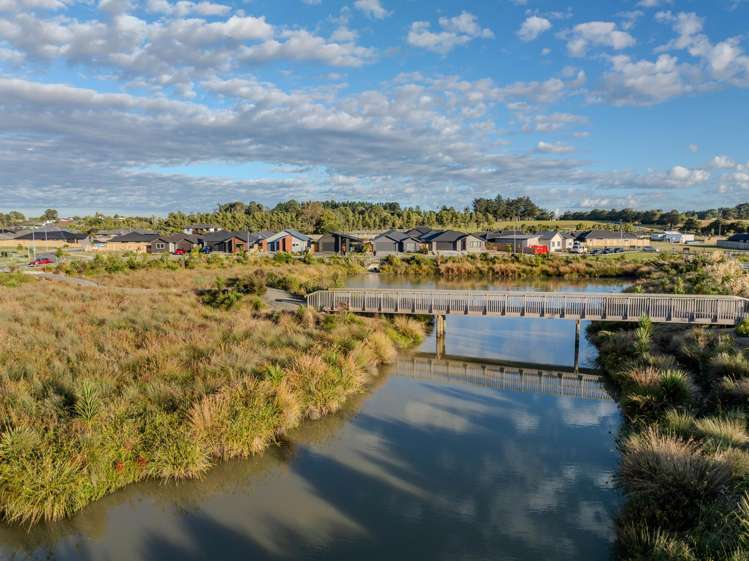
(684, 447)
(103, 388)
(520, 266)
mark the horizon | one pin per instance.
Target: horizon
(154, 106)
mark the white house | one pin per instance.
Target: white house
(673, 236)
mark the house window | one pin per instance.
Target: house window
(160, 245)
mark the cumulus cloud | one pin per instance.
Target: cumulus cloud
(685, 176)
(723, 162)
(596, 33)
(456, 31)
(532, 27)
(371, 8)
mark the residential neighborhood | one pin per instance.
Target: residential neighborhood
(210, 238)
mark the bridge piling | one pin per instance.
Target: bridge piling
(439, 332)
(577, 346)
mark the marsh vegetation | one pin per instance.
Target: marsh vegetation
(103, 387)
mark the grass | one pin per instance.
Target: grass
(685, 444)
(516, 266)
(111, 387)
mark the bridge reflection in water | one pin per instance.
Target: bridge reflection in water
(545, 379)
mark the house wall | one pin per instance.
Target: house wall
(410, 246)
(472, 244)
(616, 242)
(159, 246)
(443, 246)
(385, 246)
(327, 244)
(733, 245)
(555, 243)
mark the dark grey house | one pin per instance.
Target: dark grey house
(339, 242)
(394, 241)
(453, 241)
(53, 235)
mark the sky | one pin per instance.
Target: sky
(151, 106)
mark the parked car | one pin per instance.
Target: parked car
(180, 252)
(650, 249)
(42, 261)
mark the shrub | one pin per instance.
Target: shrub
(730, 365)
(742, 329)
(649, 392)
(670, 478)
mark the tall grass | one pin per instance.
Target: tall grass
(104, 388)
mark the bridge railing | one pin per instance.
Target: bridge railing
(668, 308)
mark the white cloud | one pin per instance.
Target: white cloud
(371, 8)
(653, 3)
(183, 8)
(596, 33)
(694, 148)
(554, 148)
(533, 27)
(723, 162)
(458, 30)
(685, 176)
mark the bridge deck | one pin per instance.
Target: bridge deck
(662, 308)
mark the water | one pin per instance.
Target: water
(431, 468)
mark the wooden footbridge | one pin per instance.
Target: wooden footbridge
(660, 308)
(504, 376)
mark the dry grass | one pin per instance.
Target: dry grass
(103, 388)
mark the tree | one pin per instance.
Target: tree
(50, 214)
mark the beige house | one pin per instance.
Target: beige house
(593, 239)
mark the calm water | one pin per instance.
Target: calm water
(432, 468)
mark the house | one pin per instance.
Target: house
(592, 239)
(45, 237)
(174, 243)
(198, 229)
(453, 241)
(513, 240)
(737, 241)
(394, 241)
(289, 241)
(552, 240)
(569, 240)
(672, 236)
(137, 241)
(339, 242)
(223, 241)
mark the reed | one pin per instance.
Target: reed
(110, 387)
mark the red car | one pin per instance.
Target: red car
(180, 252)
(42, 261)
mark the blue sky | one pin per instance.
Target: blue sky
(148, 106)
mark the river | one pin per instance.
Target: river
(433, 467)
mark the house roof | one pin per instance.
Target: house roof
(420, 229)
(512, 235)
(547, 234)
(135, 237)
(175, 238)
(200, 226)
(290, 232)
(397, 236)
(346, 236)
(605, 235)
(447, 236)
(55, 235)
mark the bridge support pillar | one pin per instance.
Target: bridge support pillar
(577, 345)
(439, 331)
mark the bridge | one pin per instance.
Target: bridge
(504, 376)
(660, 308)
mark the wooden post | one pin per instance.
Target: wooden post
(577, 345)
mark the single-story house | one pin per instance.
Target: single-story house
(223, 241)
(672, 236)
(737, 241)
(201, 229)
(289, 241)
(419, 232)
(453, 241)
(339, 242)
(514, 240)
(592, 239)
(136, 241)
(173, 243)
(553, 240)
(394, 241)
(569, 240)
(50, 238)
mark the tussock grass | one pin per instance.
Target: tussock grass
(113, 387)
(671, 477)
